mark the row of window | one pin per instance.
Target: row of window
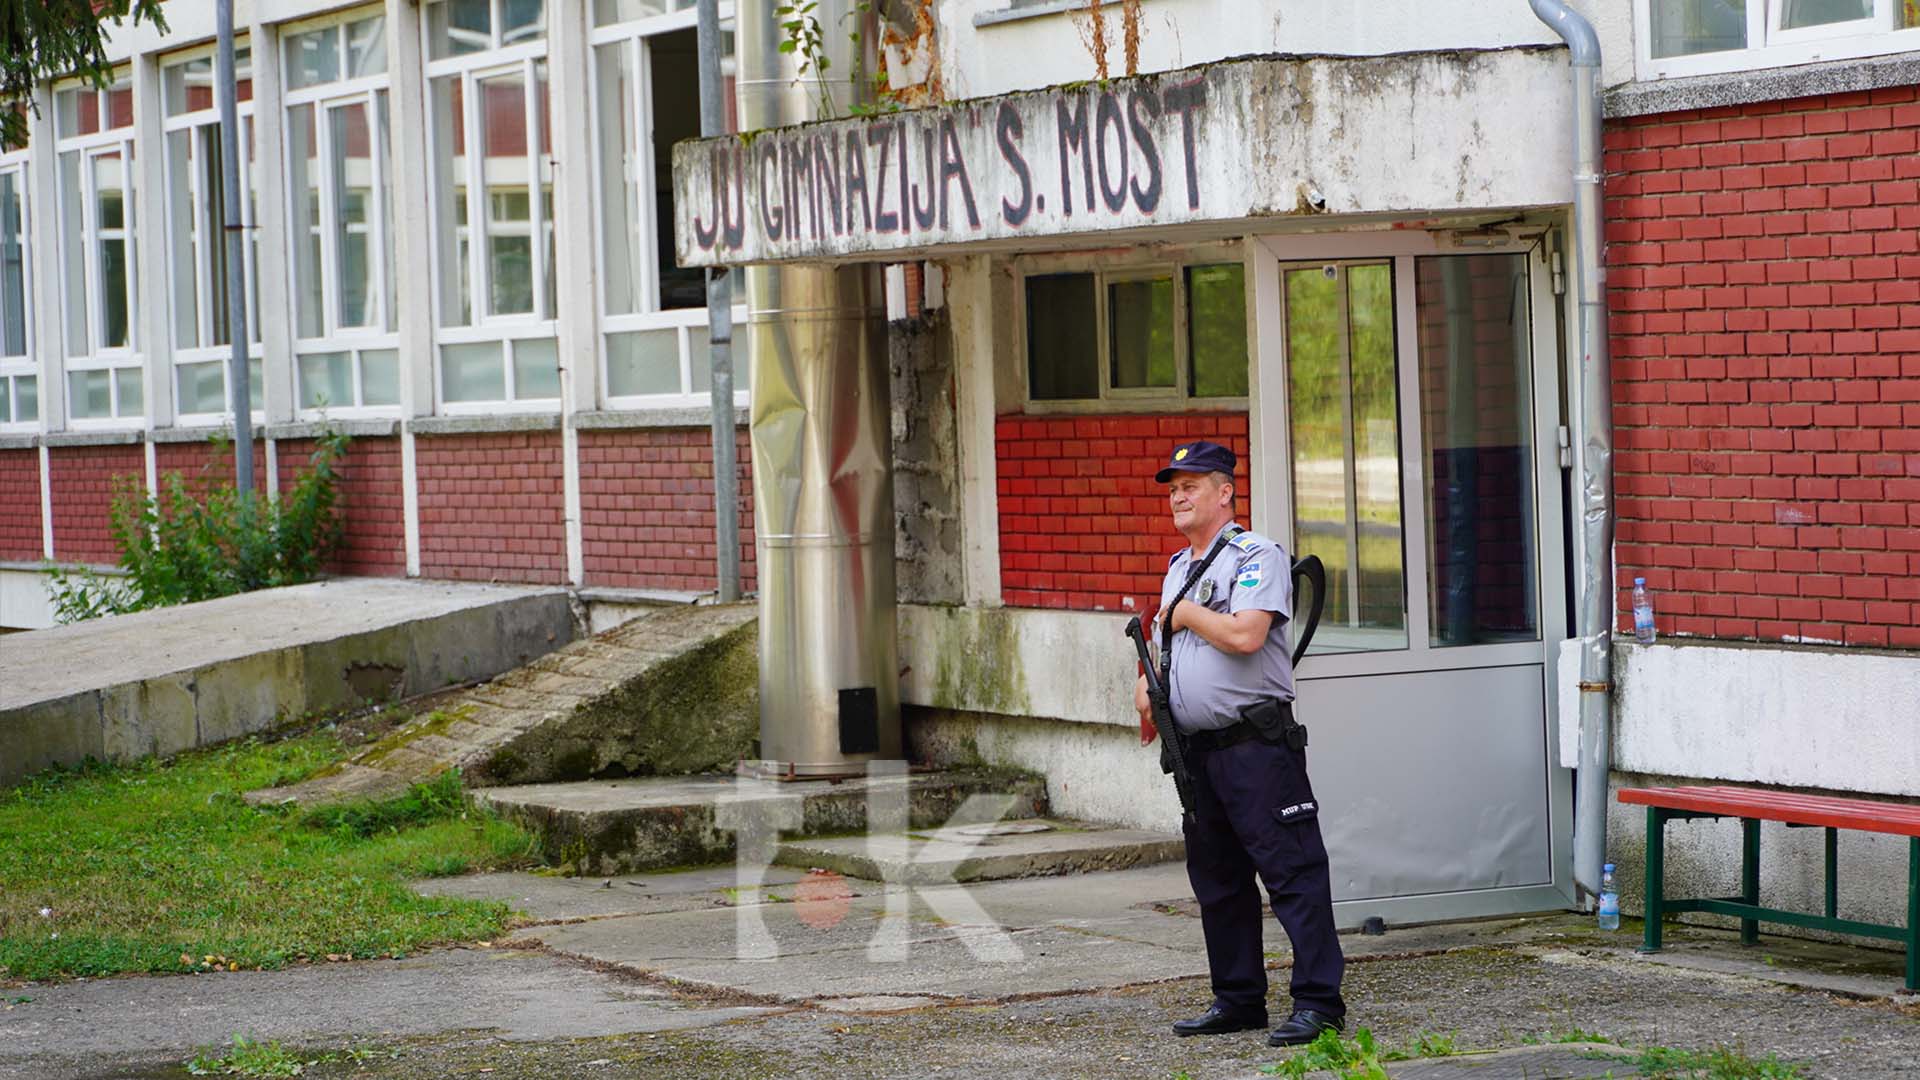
(1695, 37)
(490, 225)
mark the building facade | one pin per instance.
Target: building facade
(1348, 257)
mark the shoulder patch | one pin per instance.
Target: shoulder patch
(1246, 541)
(1250, 575)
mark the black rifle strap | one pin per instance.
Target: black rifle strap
(1166, 616)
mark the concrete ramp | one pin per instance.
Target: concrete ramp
(668, 693)
(163, 681)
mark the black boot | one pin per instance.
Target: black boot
(1301, 1028)
(1219, 1020)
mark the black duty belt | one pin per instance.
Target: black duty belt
(1271, 722)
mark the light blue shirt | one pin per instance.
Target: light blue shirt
(1210, 687)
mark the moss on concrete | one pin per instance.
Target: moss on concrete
(434, 723)
(981, 664)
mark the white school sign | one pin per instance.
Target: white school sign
(1408, 134)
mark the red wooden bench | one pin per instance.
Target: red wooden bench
(1752, 806)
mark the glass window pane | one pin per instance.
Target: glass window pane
(450, 225)
(1909, 14)
(384, 209)
(110, 202)
(1346, 467)
(643, 362)
(673, 63)
(304, 179)
(367, 47)
(459, 27)
(380, 377)
(6, 402)
(313, 57)
(1140, 333)
(73, 214)
(184, 242)
(1799, 14)
(326, 380)
(131, 389)
(353, 213)
(188, 87)
(1217, 330)
(26, 398)
(1063, 352)
(13, 268)
(620, 187)
(544, 164)
(522, 21)
(1476, 394)
(1690, 27)
(509, 196)
(536, 369)
(90, 394)
(76, 111)
(203, 387)
(609, 12)
(475, 372)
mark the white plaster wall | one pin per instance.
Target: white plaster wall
(1093, 773)
(1048, 49)
(1837, 719)
(1067, 665)
(24, 604)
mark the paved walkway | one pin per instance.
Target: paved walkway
(650, 975)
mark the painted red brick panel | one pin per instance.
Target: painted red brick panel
(1766, 339)
(20, 536)
(1082, 524)
(492, 507)
(81, 478)
(371, 506)
(646, 509)
(204, 462)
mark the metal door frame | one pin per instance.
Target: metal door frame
(1266, 258)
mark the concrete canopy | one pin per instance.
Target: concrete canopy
(1284, 138)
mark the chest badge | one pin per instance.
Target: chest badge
(1203, 592)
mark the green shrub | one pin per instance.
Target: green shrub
(202, 539)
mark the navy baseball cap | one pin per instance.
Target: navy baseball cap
(1200, 457)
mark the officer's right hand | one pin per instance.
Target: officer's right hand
(1145, 708)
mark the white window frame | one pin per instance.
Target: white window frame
(1770, 46)
(382, 331)
(1106, 270)
(524, 59)
(24, 366)
(632, 37)
(88, 356)
(201, 202)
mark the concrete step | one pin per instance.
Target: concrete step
(622, 826)
(984, 852)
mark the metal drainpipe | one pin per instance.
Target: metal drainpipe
(1596, 452)
(822, 449)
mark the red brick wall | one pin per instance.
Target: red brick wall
(198, 462)
(1082, 524)
(371, 504)
(1764, 264)
(492, 507)
(82, 481)
(646, 509)
(20, 505)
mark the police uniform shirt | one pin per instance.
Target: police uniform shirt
(1210, 687)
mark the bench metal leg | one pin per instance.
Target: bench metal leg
(1656, 877)
(1833, 872)
(1750, 877)
(1913, 914)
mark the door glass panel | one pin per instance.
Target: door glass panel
(1344, 412)
(1476, 394)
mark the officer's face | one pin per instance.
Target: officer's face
(1198, 499)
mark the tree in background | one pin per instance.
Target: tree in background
(54, 39)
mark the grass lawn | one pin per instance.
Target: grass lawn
(157, 866)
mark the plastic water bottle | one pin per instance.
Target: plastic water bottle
(1609, 901)
(1642, 612)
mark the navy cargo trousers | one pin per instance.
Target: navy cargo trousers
(1255, 816)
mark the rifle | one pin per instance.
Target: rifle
(1163, 720)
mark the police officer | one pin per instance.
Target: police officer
(1231, 691)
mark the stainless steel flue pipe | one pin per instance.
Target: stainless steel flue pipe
(822, 444)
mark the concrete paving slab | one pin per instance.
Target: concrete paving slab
(163, 681)
(513, 993)
(1568, 1061)
(976, 853)
(545, 898)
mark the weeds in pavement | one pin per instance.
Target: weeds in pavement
(154, 866)
(253, 1059)
(1349, 1059)
(1720, 1063)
